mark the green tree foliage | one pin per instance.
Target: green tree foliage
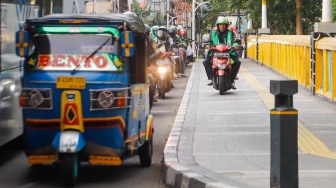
(217, 7)
(281, 14)
(144, 12)
(334, 9)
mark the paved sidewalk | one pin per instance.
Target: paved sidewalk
(224, 140)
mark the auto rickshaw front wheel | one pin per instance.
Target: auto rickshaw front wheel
(69, 168)
(145, 153)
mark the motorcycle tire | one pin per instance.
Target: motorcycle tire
(162, 89)
(215, 82)
(222, 84)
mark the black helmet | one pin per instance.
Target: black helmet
(147, 29)
(172, 30)
(162, 33)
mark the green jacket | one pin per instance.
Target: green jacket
(229, 40)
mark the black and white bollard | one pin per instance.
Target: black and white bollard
(284, 135)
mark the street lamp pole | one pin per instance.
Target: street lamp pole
(193, 26)
(193, 21)
(168, 11)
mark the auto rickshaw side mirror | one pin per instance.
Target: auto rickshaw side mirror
(21, 43)
(127, 44)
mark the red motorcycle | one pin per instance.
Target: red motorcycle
(221, 66)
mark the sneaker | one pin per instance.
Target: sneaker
(233, 86)
(174, 77)
(183, 75)
(210, 84)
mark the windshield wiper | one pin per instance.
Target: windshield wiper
(93, 53)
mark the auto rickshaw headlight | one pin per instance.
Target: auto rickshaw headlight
(104, 99)
(39, 98)
(162, 70)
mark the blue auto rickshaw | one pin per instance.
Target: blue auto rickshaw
(85, 91)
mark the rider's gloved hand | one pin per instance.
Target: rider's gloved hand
(235, 48)
(165, 54)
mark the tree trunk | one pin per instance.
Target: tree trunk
(299, 29)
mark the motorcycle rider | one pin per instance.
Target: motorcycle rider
(162, 38)
(174, 38)
(190, 54)
(154, 30)
(225, 36)
(153, 53)
(184, 38)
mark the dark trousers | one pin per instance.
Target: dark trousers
(234, 71)
(207, 62)
(235, 67)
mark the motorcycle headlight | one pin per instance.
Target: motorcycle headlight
(162, 70)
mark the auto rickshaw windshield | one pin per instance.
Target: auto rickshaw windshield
(75, 44)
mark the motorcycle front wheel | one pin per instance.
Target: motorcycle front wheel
(222, 84)
(162, 89)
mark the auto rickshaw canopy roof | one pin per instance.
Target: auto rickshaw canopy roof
(134, 23)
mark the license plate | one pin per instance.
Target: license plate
(70, 82)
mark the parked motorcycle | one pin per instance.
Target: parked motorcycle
(221, 66)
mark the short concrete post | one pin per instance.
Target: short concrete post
(284, 135)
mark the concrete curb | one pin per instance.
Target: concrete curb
(174, 173)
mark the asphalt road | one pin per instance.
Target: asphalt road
(16, 172)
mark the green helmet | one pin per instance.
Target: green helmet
(222, 20)
(155, 27)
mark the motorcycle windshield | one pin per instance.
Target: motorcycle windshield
(89, 52)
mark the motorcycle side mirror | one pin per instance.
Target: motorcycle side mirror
(238, 41)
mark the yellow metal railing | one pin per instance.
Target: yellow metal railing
(326, 67)
(290, 56)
